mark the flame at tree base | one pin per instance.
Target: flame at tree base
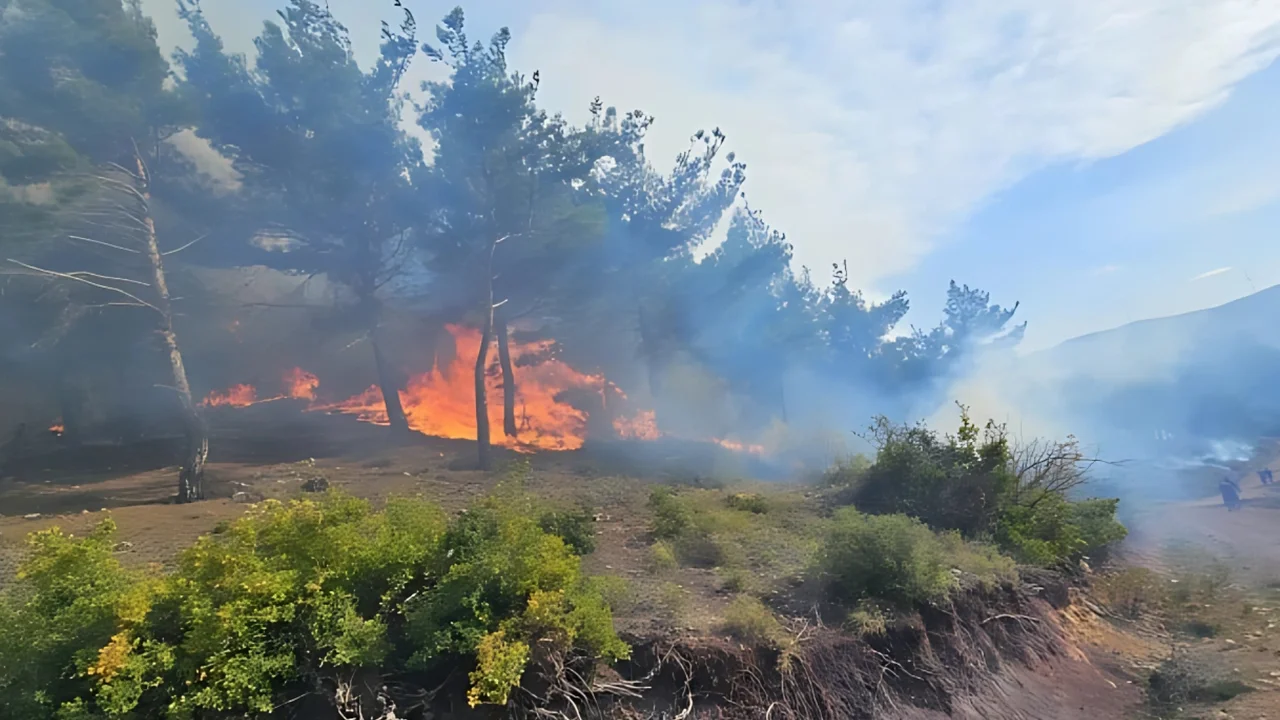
(441, 401)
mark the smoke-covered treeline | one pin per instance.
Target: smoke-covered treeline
(513, 220)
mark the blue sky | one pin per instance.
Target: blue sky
(1186, 221)
(1086, 157)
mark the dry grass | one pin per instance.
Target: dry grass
(750, 621)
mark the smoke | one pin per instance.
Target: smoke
(1174, 400)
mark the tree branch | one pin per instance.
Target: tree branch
(108, 278)
(184, 247)
(104, 244)
(65, 276)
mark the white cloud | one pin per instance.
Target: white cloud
(868, 128)
(871, 127)
(1212, 273)
(1105, 270)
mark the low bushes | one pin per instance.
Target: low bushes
(890, 557)
(978, 484)
(750, 620)
(1191, 678)
(769, 537)
(289, 597)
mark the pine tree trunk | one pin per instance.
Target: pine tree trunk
(508, 375)
(389, 384)
(196, 435)
(482, 400)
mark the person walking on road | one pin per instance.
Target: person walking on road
(1230, 493)
(1265, 476)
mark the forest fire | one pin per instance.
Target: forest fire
(642, 426)
(298, 384)
(441, 401)
(740, 447)
(57, 428)
(235, 396)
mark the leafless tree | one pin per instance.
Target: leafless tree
(1050, 467)
(113, 217)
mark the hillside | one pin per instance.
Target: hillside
(1192, 383)
(1152, 345)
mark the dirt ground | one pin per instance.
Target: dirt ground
(1242, 547)
(1102, 678)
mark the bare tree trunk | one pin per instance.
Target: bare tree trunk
(196, 452)
(483, 442)
(389, 383)
(482, 400)
(508, 375)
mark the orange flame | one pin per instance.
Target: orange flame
(300, 384)
(57, 428)
(642, 426)
(441, 401)
(235, 396)
(739, 447)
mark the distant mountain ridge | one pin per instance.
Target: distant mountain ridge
(1168, 385)
(1255, 317)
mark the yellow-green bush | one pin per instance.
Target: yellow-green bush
(751, 621)
(288, 595)
(891, 557)
(662, 557)
(868, 619)
(71, 612)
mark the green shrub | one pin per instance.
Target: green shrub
(1055, 529)
(980, 561)
(506, 575)
(868, 619)
(975, 483)
(700, 550)
(672, 517)
(736, 580)
(689, 535)
(891, 557)
(304, 585)
(289, 594)
(957, 482)
(749, 620)
(577, 527)
(748, 502)
(72, 598)
(847, 472)
(662, 557)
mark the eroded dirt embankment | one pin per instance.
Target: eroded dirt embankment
(1024, 653)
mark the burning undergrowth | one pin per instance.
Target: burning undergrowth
(554, 403)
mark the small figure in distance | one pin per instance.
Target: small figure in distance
(1230, 493)
(1265, 476)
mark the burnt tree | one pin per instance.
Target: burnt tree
(112, 216)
